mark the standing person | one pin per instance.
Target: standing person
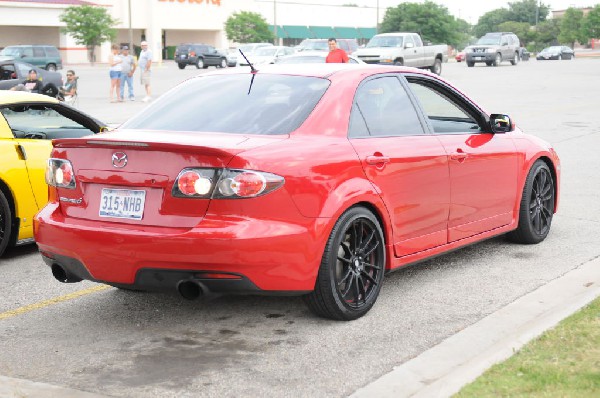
(336, 55)
(145, 63)
(127, 71)
(115, 62)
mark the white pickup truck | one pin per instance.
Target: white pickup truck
(403, 49)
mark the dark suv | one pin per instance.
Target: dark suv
(201, 55)
(46, 57)
(493, 48)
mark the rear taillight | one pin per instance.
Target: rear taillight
(224, 183)
(59, 173)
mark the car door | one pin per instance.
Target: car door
(9, 76)
(411, 53)
(483, 166)
(213, 56)
(14, 173)
(408, 167)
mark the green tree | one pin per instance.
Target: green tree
(528, 11)
(521, 29)
(432, 21)
(89, 26)
(591, 23)
(247, 27)
(547, 33)
(490, 21)
(571, 27)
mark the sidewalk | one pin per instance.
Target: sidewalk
(444, 369)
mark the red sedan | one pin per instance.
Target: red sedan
(460, 56)
(312, 180)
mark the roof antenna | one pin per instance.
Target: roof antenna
(252, 68)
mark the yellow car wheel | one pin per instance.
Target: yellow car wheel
(5, 223)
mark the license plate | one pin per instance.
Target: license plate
(478, 58)
(122, 203)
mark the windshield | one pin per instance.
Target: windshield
(552, 49)
(318, 45)
(385, 41)
(11, 52)
(242, 104)
(265, 52)
(489, 41)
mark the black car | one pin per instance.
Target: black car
(200, 55)
(14, 72)
(556, 52)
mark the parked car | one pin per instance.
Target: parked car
(14, 72)
(28, 123)
(405, 49)
(556, 52)
(348, 45)
(200, 55)
(312, 57)
(267, 55)
(460, 56)
(249, 48)
(232, 56)
(324, 178)
(493, 48)
(43, 56)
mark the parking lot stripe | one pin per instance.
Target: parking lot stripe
(52, 301)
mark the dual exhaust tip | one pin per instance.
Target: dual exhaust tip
(187, 288)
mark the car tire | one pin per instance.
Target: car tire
(489, 63)
(537, 206)
(559, 57)
(200, 63)
(399, 62)
(436, 67)
(5, 223)
(223, 63)
(181, 66)
(352, 268)
(515, 60)
(470, 64)
(497, 59)
(51, 67)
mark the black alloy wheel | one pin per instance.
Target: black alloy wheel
(352, 268)
(537, 206)
(5, 223)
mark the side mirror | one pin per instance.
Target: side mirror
(409, 45)
(500, 123)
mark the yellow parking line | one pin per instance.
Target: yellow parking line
(55, 300)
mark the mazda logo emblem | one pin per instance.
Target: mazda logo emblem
(119, 160)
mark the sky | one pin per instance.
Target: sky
(469, 10)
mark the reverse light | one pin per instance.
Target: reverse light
(60, 174)
(194, 183)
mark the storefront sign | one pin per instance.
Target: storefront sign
(214, 2)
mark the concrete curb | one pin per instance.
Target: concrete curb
(444, 369)
(19, 388)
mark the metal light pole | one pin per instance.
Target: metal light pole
(275, 21)
(130, 30)
(377, 22)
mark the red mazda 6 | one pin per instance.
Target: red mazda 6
(313, 180)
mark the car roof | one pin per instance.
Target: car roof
(16, 97)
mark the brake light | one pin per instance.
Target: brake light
(60, 174)
(224, 183)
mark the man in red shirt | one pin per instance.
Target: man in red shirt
(336, 55)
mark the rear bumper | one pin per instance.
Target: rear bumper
(265, 256)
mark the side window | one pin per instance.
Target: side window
(39, 52)
(418, 41)
(445, 115)
(28, 51)
(383, 108)
(408, 39)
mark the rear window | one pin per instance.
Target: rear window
(242, 104)
(11, 51)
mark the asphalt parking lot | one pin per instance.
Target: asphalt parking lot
(129, 344)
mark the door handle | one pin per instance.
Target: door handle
(21, 152)
(378, 160)
(459, 155)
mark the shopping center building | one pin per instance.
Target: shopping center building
(166, 23)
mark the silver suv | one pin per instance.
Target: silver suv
(493, 48)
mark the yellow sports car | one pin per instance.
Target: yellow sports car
(28, 123)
